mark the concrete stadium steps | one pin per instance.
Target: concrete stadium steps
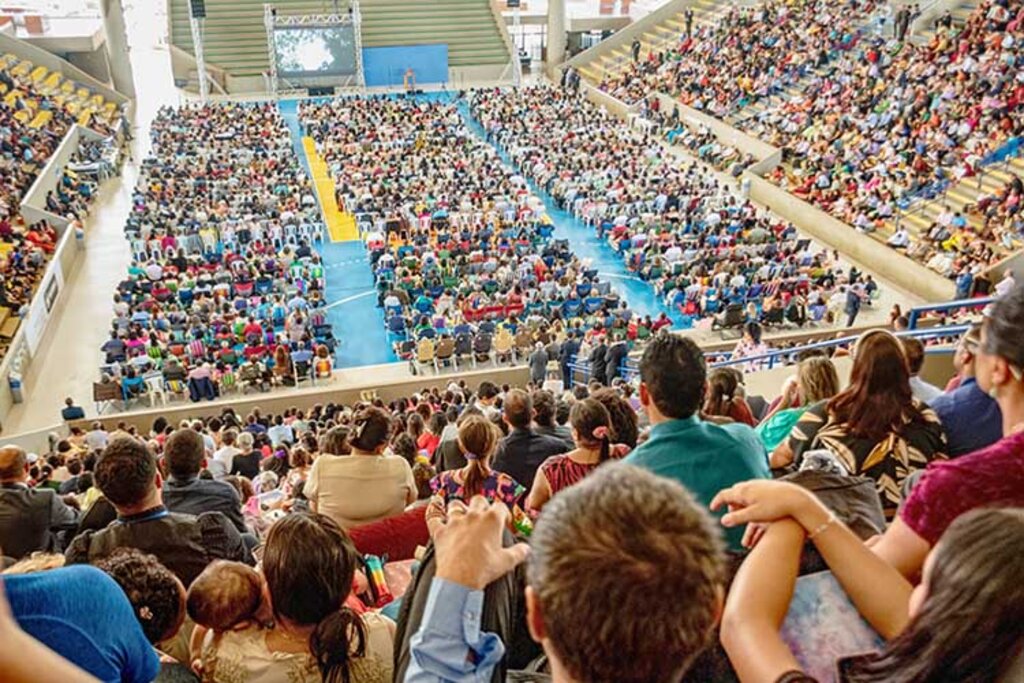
(235, 38)
(960, 14)
(958, 196)
(611, 64)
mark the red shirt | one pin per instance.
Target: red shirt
(991, 477)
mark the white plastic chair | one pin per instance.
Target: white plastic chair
(155, 388)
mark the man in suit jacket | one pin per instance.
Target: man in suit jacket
(523, 450)
(568, 352)
(30, 518)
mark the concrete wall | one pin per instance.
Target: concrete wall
(602, 99)
(864, 250)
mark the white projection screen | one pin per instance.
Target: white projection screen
(311, 51)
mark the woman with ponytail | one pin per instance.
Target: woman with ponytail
(478, 439)
(594, 435)
(308, 564)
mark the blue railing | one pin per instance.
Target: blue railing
(915, 313)
(629, 369)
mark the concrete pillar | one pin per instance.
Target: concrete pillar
(556, 35)
(117, 47)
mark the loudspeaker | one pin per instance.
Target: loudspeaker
(198, 8)
(322, 91)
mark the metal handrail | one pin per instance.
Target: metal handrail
(629, 368)
(915, 313)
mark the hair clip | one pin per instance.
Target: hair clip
(471, 456)
(601, 432)
(145, 613)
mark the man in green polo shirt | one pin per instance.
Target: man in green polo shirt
(703, 457)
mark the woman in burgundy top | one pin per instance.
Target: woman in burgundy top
(592, 431)
(993, 476)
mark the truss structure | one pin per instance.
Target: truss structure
(349, 16)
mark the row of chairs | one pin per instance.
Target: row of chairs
(481, 348)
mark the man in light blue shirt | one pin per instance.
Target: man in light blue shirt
(622, 553)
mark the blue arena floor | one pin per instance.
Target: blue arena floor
(352, 305)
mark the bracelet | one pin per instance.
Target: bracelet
(832, 519)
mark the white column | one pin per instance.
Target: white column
(556, 35)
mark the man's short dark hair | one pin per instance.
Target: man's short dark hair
(543, 408)
(487, 390)
(125, 471)
(518, 409)
(675, 374)
(184, 453)
(626, 537)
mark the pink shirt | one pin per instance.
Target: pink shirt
(991, 477)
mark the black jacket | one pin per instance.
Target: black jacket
(185, 544)
(30, 520)
(613, 358)
(196, 496)
(522, 452)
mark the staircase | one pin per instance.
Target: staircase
(659, 36)
(960, 14)
(235, 39)
(920, 216)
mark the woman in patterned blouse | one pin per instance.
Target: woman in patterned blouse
(478, 439)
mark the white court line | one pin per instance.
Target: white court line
(347, 299)
(621, 277)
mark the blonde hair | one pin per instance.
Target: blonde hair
(817, 379)
(36, 562)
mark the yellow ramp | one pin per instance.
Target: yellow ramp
(341, 226)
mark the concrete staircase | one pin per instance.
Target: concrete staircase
(921, 215)
(658, 36)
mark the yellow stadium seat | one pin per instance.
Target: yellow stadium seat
(41, 119)
(39, 74)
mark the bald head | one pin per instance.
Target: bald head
(12, 463)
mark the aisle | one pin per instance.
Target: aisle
(350, 293)
(584, 243)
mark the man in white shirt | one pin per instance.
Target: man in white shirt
(280, 433)
(900, 239)
(220, 463)
(97, 437)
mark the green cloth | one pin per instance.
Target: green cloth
(776, 428)
(705, 458)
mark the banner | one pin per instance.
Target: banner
(42, 305)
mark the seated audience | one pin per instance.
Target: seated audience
(126, 474)
(874, 427)
(367, 485)
(32, 518)
(990, 476)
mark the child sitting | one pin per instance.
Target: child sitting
(226, 596)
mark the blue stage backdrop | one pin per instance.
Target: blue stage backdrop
(387, 65)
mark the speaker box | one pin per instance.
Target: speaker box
(323, 91)
(198, 8)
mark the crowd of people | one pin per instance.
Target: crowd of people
(913, 505)
(912, 119)
(744, 55)
(700, 245)
(224, 289)
(460, 246)
(876, 123)
(32, 125)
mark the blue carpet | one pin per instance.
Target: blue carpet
(351, 298)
